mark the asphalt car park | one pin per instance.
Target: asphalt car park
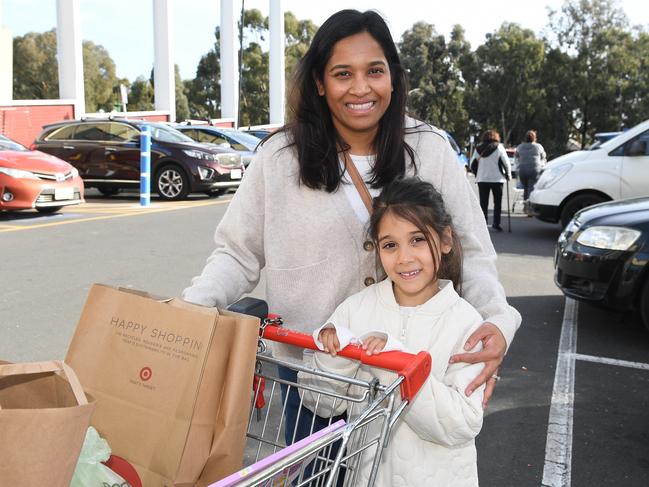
(588, 366)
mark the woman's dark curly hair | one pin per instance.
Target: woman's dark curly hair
(310, 127)
(422, 205)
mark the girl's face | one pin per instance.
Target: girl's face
(407, 258)
(357, 87)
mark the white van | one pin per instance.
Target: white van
(617, 169)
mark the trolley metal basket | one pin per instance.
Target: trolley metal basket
(347, 455)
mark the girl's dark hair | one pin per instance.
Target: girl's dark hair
(310, 126)
(422, 205)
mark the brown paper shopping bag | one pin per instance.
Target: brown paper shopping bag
(44, 415)
(172, 382)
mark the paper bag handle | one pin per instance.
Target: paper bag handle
(50, 366)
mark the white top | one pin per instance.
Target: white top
(488, 170)
(364, 166)
(432, 444)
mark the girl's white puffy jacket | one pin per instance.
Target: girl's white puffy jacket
(433, 442)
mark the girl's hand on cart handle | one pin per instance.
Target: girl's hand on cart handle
(492, 355)
(374, 344)
(329, 339)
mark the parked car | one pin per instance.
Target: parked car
(461, 156)
(32, 179)
(107, 154)
(259, 133)
(513, 163)
(244, 144)
(617, 169)
(602, 256)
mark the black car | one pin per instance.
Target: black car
(601, 256)
(107, 154)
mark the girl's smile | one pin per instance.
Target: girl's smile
(408, 260)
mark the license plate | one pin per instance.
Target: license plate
(63, 194)
(235, 174)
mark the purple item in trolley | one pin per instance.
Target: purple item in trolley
(285, 475)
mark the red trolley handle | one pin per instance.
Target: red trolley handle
(414, 369)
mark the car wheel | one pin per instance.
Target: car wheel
(109, 191)
(644, 304)
(49, 209)
(577, 203)
(171, 183)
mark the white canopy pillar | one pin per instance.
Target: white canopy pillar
(229, 62)
(69, 51)
(164, 76)
(277, 62)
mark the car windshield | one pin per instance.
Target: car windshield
(8, 144)
(163, 133)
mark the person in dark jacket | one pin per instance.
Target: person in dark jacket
(491, 167)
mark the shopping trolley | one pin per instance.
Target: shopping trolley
(343, 453)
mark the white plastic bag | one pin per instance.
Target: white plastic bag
(90, 472)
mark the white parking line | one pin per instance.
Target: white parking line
(558, 445)
(612, 361)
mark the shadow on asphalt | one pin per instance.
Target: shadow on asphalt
(528, 236)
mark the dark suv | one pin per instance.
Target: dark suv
(107, 154)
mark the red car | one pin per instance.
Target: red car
(32, 179)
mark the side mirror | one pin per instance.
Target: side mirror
(637, 148)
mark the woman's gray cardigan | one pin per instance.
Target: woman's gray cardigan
(311, 243)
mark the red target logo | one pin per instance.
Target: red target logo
(146, 373)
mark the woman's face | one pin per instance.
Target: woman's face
(357, 86)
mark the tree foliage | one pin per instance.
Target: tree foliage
(589, 73)
(503, 88)
(596, 48)
(433, 66)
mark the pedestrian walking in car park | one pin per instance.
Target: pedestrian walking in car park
(491, 167)
(529, 158)
(346, 109)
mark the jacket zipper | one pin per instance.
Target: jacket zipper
(404, 328)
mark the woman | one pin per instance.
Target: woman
(297, 215)
(529, 157)
(491, 167)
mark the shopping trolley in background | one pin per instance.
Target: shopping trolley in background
(313, 461)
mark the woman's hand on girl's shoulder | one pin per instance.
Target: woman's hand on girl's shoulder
(492, 355)
(329, 339)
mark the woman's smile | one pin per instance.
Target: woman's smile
(357, 87)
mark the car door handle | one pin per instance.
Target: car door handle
(69, 147)
(110, 149)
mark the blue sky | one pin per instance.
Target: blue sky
(124, 27)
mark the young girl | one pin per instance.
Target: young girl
(416, 307)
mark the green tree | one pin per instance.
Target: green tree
(203, 92)
(100, 81)
(298, 34)
(35, 70)
(503, 77)
(182, 103)
(140, 97)
(592, 40)
(435, 78)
